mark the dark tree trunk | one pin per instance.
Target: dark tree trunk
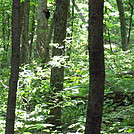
(57, 73)
(123, 25)
(97, 69)
(15, 59)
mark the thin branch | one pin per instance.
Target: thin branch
(79, 12)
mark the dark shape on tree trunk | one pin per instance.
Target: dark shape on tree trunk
(47, 13)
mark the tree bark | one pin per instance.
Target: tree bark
(25, 48)
(32, 31)
(15, 59)
(50, 31)
(130, 22)
(57, 73)
(42, 32)
(97, 69)
(71, 26)
(123, 25)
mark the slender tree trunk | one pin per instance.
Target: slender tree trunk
(79, 12)
(3, 27)
(32, 31)
(71, 26)
(5, 32)
(8, 31)
(15, 59)
(42, 32)
(123, 25)
(57, 73)
(25, 50)
(130, 22)
(50, 31)
(97, 71)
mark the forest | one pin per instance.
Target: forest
(66, 66)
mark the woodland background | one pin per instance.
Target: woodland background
(37, 99)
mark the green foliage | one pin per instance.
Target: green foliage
(34, 92)
(116, 63)
(35, 89)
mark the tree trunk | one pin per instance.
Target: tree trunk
(123, 25)
(97, 69)
(50, 31)
(130, 22)
(42, 32)
(32, 31)
(15, 59)
(57, 73)
(25, 49)
(70, 25)
(5, 32)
